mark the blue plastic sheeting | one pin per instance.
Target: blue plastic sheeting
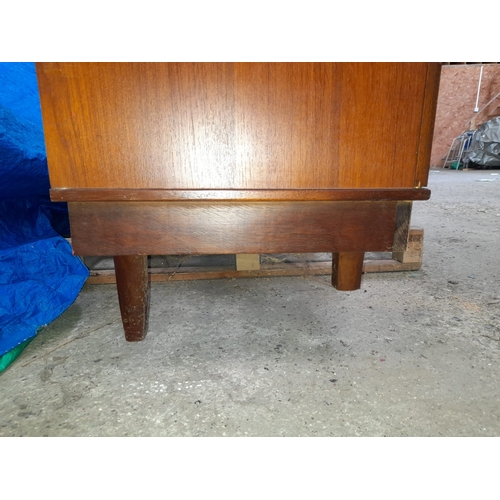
(19, 91)
(39, 275)
(23, 163)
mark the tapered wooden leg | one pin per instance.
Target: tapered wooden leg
(347, 268)
(133, 294)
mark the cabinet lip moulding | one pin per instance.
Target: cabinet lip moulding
(106, 194)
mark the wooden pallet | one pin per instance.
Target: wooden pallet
(250, 266)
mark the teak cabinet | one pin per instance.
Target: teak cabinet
(218, 158)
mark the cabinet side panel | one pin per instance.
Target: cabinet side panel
(428, 122)
(380, 123)
(232, 125)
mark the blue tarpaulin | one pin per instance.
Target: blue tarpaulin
(39, 275)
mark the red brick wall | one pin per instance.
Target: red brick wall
(456, 102)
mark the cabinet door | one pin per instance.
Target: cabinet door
(238, 125)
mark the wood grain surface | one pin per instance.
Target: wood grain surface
(347, 268)
(133, 294)
(242, 126)
(403, 220)
(239, 194)
(184, 228)
(428, 123)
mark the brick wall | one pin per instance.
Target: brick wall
(456, 102)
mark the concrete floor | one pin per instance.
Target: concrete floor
(410, 354)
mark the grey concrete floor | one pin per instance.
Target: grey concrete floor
(409, 354)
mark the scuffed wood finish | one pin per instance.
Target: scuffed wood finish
(236, 125)
(133, 294)
(239, 194)
(403, 219)
(182, 228)
(347, 268)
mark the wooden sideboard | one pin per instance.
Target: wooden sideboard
(231, 158)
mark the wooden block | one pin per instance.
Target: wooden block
(414, 248)
(247, 261)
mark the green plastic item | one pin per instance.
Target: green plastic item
(9, 357)
(457, 165)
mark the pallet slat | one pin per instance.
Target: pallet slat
(286, 269)
(279, 269)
